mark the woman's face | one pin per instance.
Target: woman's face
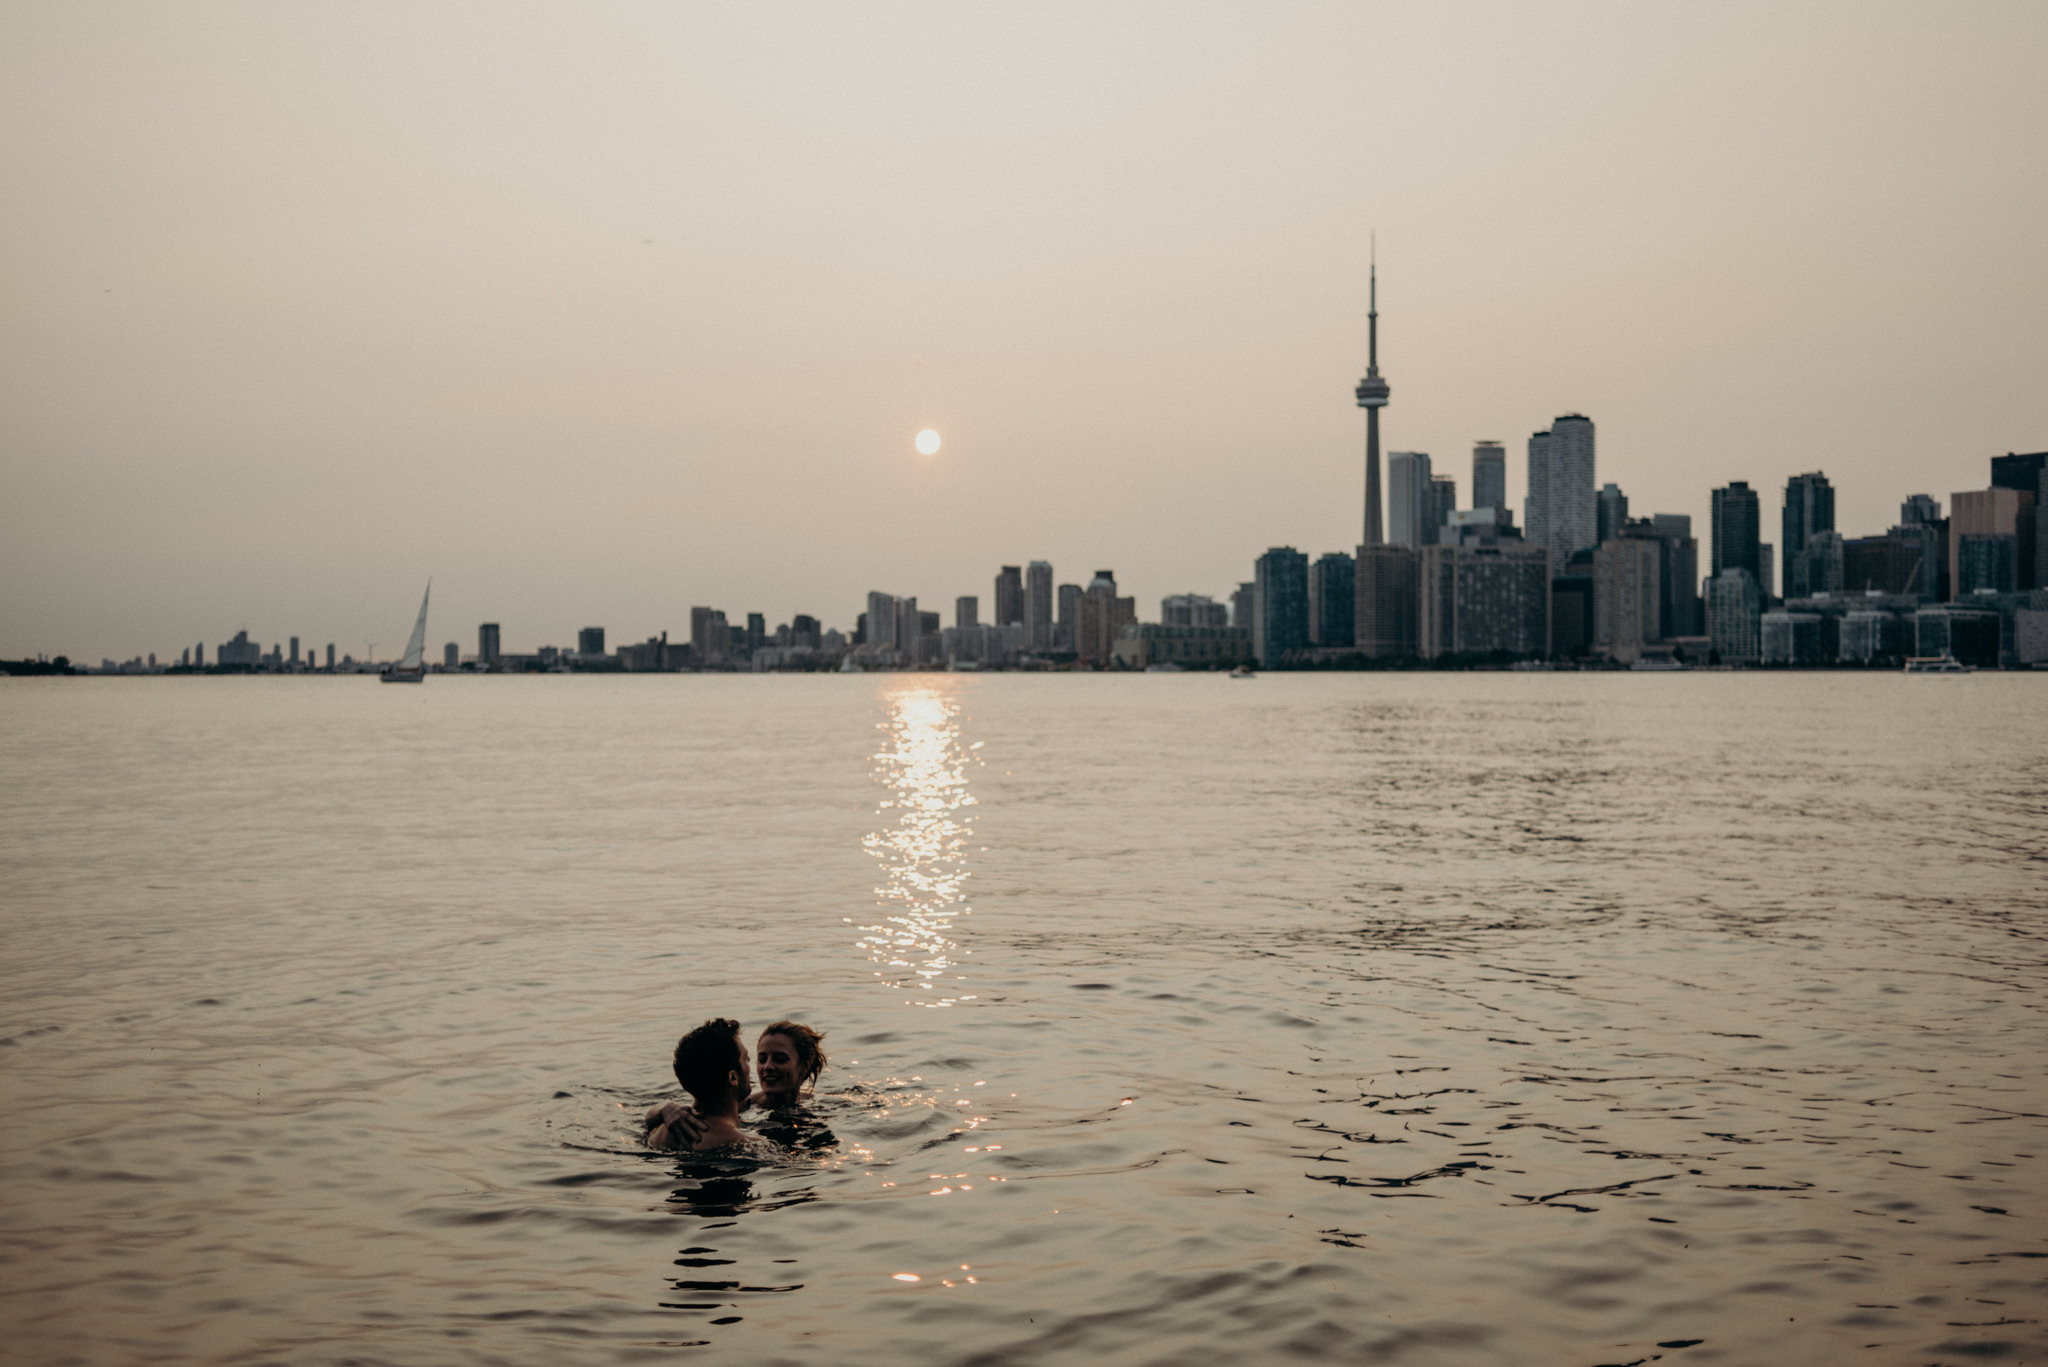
(781, 1067)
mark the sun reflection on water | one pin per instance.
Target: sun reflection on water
(923, 765)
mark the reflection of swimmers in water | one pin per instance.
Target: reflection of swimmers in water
(790, 1057)
(711, 1063)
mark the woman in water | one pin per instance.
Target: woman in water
(788, 1057)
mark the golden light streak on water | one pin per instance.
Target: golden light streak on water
(923, 766)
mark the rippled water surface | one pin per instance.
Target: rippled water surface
(1431, 1019)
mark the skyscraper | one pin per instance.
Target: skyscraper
(1628, 595)
(1100, 616)
(1489, 475)
(1737, 531)
(1384, 591)
(1809, 508)
(487, 644)
(1482, 599)
(967, 611)
(1443, 501)
(1070, 607)
(1372, 395)
(1610, 511)
(1281, 604)
(1009, 597)
(1332, 609)
(1683, 615)
(1560, 511)
(1408, 498)
(590, 641)
(1038, 620)
(451, 656)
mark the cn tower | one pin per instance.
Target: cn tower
(1372, 397)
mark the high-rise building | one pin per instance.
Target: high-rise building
(487, 644)
(1070, 607)
(1735, 607)
(1408, 497)
(1244, 605)
(1610, 510)
(1281, 575)
(1817, 566)
(1038, 618)
(1193, 610)
(1100, 617)
(1809, 508)
(330, 655)
(590, 641)
(1483, 600)
(1571, 616)
(1010, 597)
(2024, 473)
(1683, 613)
(451, 656)
(757, 632)
(1489, 475)
(240, 651)
(711, 636)
(1385, 587)
(1560, 512)
(967, 611)
(295, 653)
(1736, 527)
(804, 632)
(1443, 501)
(909, 627)
(1998, 524)
(1628, 595)
(1332, 601)
(1372, 393)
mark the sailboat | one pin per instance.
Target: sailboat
(412, 667)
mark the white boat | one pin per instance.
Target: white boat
(1242, 672)
(412, 666)
(1659, 664)
(1937, 664)
(1165, 667)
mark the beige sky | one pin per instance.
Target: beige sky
(598, 311)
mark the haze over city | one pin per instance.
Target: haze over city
(597, 314)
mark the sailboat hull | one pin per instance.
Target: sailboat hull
(403, 675)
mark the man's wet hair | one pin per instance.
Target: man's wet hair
(707, 1056)
(810, 1050)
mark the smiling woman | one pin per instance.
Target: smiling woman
(927, 442)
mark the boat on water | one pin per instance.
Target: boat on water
(1659, 664)
(1242, 672)
(1165, 667)
(1937, 664)
(412, 666)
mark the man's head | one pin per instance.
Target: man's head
(711, 1064)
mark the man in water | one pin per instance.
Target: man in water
(790, 1056)
(711, 1065)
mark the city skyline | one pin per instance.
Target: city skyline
(302, 313)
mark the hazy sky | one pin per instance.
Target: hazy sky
(598, 311)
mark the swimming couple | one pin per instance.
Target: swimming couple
(711, 1065)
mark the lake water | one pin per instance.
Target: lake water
(1432, 1019)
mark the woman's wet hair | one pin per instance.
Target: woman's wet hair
(707, 1056)
(810, 1050)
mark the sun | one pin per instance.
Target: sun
(927, 443)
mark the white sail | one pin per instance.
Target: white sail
(415, 649)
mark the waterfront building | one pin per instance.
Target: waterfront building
(1610, 510)
(1735, 605)
(1560, 512)
(1143, 644)
(1069, 617)
(240, 652)
(1409, 501)
(1681, 571)
(1038, 605)
(590, 641)
(330, 656)
(1009, 603)
(1809, 509)
(1483, 600)
(711, 634)
(1795, 638)
(1280, 611)
(757, 632)
(1872, 636)
(1628, 595)
(1968, 631)
(1999, 524)
(967, 611)
(804, 630)
(1386, 584)
(1572, 618)
(1100, 617)
(1372, 394)
(1901, 561)
(1193, 610)
(1243, 602)
(451, 656)
(1489, 475)
(1736, 531)
(294, 657)
(1332, 602)
(487, 651)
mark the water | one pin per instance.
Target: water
(1567, 1019)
